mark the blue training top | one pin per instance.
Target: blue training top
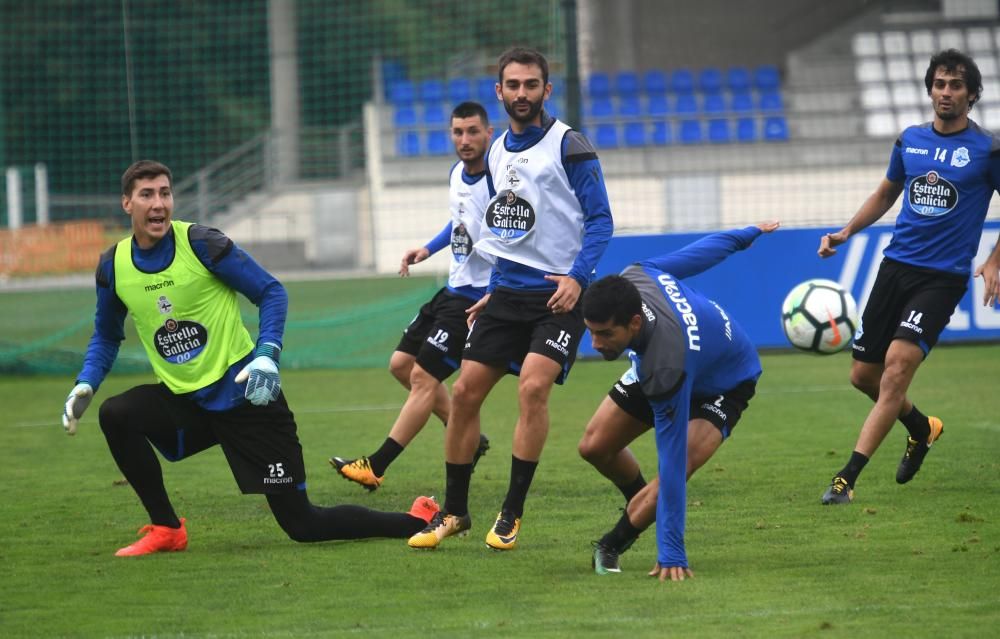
(949, 180)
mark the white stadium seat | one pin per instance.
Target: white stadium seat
(880, 125)
(875, 96)
(898, 69)
(906, 94)
(951, 39)
(895, 43)
(866, 43)
(923, 42)
(909, 117)
(979, 39)
(869, 70)
(988, 117)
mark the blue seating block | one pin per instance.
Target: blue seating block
(741, 102)
(404, 115)
(654, 82)
(408, 143)
(627, 83)
(635, 134)
(714, 103)
(661, 133)
(486, 89)
(766, 76)
(746, 130)
(431, 90)
(459, 90)
(437, 142)
(738, 79)
(686, 104)
(771, 101)
(657, 105)
(629, 106)
(601, 108)
(682, 81)
(435, 114)
(401, 92)
(710, 80)
(599, 85)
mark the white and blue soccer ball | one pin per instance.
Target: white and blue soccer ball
(819, 316)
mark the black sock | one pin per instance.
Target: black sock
(384, 456)
(456, 494)
(521, 474)
(917, 424)
(304, 522)
(853, 468)
(622, 536)
(631, 489)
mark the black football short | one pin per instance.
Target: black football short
(723, 411)
(906, 302)
(515, 323)
(260, 443)
(436, 336)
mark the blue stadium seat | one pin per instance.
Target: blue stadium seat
(766, 76)
(635, 134)
(714, 103)
(690, 132)
(601, 107)
(741, 102)
(686, 104)
(495, 110)
(486, 86)
(661, 133)
(629, 106)
(682, 81)
(437, 142)
(719, 131)
(738, 79)
(557, 82)
(552, 107)
(459, 90)
(435, 114)
(627, 83)
(657, 104)
(431, 90)
(599, 85)
(771, 101)
(404, 115)
(401, 92)
(654, 82)
(746, 130)
(606, 136)
(408, 143)
(392, 71)
(775, 128)
(710, 80)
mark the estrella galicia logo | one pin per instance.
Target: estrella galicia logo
(461, 243)
(180, 342)
(510, 217)
(932, 195)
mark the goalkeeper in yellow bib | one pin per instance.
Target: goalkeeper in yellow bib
(216, 386)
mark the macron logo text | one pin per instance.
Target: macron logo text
(684, 308)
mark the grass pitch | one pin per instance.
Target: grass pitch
(920, 560)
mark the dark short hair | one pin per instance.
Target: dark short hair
(142, 170)
(954, 61)
(470, 110)
(521, 55)
(611, 298)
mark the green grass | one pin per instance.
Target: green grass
(920, 560)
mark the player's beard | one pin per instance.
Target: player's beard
(536, 108)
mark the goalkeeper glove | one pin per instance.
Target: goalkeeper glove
(261, 375)
(77, 402)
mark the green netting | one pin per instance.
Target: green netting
(339, 324)
(87, 86)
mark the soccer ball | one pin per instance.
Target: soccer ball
(819, 316)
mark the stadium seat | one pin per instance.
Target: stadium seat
(431, 90)
(404, 115)
(776, 128)
(737, 79)
(434, 114)
(627, 84)
(682, 81)
(951, 39)
(746, 130)
(495, 111)
(869, 70)
(552, 107)
(899, 68)
(713, 103)
(895, 43)
(771, 101)
(875, 96)
(654, 82)
(880, 124)
(657, 105)
(392, 71)
(599, 85)
(979, 40)
(909, 117)
(437, 142)
(741, 102)
(408, 143)
(459, 90)
(401, 92)
(635, 134)
(719, 131)
(601, 108)
(686, 104)
(486, 89)
(606, 136)
(661, 133)
(690, 132)
(987, 63)
(923, 42)
(906, 94)
(710, 80)
(766, 77)
(866, 43)
(629, 106)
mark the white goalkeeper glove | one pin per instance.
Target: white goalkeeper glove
(77, 402)
(261, 375)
